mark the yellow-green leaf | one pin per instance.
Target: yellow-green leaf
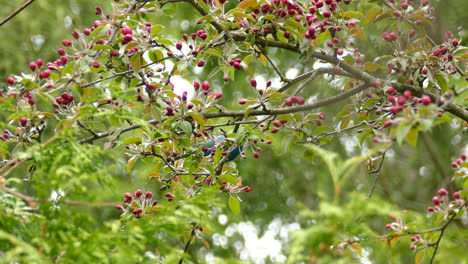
(419, 257)
(357, 247)
(131, 162)
(234, 204)
(372, 66)
(205, 243)
(154, 175)
(246, 4)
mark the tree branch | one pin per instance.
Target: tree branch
(32, 201)
(16, 12)
(377, 174)
(288, 110)
(187, 244)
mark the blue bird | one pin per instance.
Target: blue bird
(211, 145)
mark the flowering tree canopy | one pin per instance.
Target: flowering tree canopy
(165, 110)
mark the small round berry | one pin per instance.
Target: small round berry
(66, 43)
(196, 85)
(300, 100)
(201, 63)
(33, 66)
(126, 30)
(253, 82)
(436, 200)
(256, 155)
(205, 85)
(288, 102)
(404, 5)
(127, 38)
(442, 192)
(138, 193)
(407, 94)
(39, 63)
(10, 80)
(426, 100)
(23, 121)
(394, 109)
(247, 189)
(391, 91)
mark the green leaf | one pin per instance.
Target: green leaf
(322, 129)
(199, 119)
(412, 137)
(132, 140)
(155, 55)
(156, 29)
(372, 66)
(102, 47)
(442, 82)
(234, 205)
(228, 178)
(322, 37)
(131, 162)
(186, 127)
(351, 14)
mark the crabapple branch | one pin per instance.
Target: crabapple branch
(33, 201)
(278, 111)
(360, 75)
(21, 8)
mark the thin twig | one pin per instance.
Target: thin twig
(122, 73)
(282, 77)
(294, 109)
(32, 201)
(187, 245)
(87, 129)
(377, 174)
(16, 12)
(442, 231)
